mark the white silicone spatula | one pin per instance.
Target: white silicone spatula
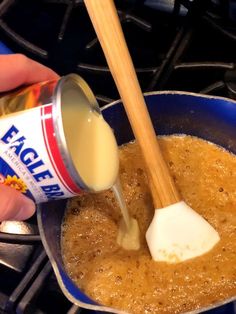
(177, 232)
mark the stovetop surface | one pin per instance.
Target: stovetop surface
(175, 45)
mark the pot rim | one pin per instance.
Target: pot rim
(172, 92)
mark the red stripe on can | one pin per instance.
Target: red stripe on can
(49, 150)
(54, 152)
(49, 153)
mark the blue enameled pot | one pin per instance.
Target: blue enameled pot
(210, 118)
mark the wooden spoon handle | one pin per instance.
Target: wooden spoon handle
(106, 23)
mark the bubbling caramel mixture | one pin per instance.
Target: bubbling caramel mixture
(130, 280)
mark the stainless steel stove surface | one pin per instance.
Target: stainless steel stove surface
(175, 45)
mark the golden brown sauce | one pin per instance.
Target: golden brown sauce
(131, 280)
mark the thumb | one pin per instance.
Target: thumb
(14, 205)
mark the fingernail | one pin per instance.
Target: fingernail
(26, 209)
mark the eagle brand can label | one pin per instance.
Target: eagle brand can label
(30, 158)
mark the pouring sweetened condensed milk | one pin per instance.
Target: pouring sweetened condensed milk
(94, 152)
(128, 232)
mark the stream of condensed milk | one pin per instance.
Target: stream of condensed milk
(128, 232)
(118, 192)
(94, 152)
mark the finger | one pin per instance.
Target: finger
(14, 205)
(17, 70)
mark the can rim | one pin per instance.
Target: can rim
(58, 124)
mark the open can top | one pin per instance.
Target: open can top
(71, 88)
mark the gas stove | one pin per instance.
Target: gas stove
(186, 45)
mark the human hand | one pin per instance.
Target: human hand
(17, 70)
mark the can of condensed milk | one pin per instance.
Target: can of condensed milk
(34, 155)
